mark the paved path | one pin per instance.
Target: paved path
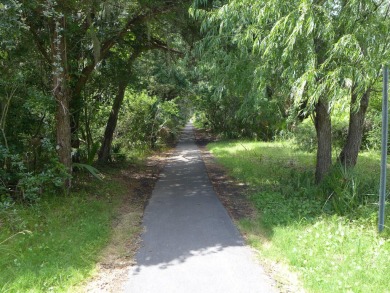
(190, 243)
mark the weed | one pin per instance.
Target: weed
(346, 190)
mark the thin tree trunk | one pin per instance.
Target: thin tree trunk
(77, 101)
(349, 154)
(62, 96)
(323, 127)
(104, 154)
(75, 108)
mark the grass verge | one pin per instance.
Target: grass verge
(326, 234)
(55, 244)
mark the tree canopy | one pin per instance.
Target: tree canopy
(308, 54)
(255, 69)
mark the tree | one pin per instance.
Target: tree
(144, 39)
(74, 37)
(315, 51)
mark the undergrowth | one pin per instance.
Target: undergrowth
(328, 233)
(54, 244)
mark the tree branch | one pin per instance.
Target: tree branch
(138, 19)
(159, 44)
(108, 44)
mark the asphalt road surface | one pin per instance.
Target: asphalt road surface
(190, 244)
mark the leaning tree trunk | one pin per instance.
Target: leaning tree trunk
(357, 114)
(105, 149)
(323, 127)
(104, 154)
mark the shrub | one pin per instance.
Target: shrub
(345, 192)
(372, 138)
(27, 182)
(306, 138)
(147, 122)
(249, 116)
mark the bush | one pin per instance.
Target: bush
(21, 180)
(345, 192)
(249, 116)
(372, 138)
(147, 122)
(306, 137)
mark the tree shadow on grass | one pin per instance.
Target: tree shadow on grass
(283, 183)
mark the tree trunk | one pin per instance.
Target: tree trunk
(62, 96)
(63, 130)
(75, 109)
(357, 114)
(104, 154)
(63, 133)
(323, 127)
(77, 101)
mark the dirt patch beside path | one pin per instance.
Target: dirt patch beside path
(118, 256)
(233, 194)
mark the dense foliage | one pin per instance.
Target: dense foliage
(70, 70)
(294, 59)
(87, 80)
(84, 83)
(261, 69)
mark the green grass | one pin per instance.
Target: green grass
(55, 244)
(326, 234)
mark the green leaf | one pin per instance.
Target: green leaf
(90, 169)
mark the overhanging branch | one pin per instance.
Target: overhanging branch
(159, 44)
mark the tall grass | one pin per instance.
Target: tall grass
(54, 244)
(326, 233)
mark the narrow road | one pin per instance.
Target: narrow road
(190, 244)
